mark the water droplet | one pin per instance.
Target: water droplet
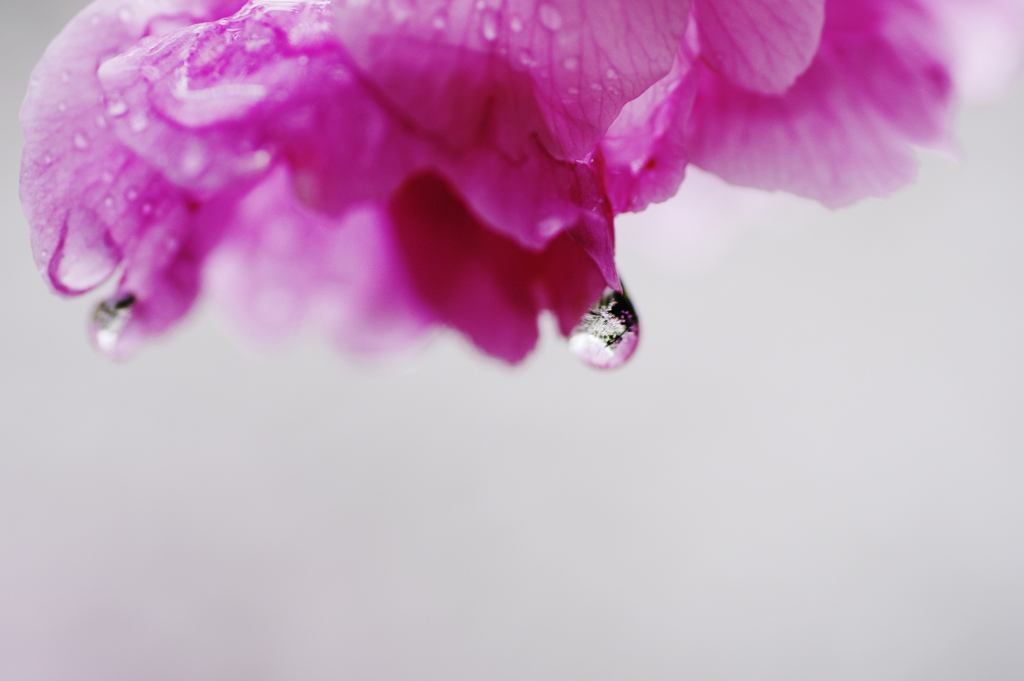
(108, 202)
(571, 63)
(81, 141)
(117, 108)
(147, 208)
(489, 25)
(109, 320)
(516, 24)
(124, 14)
(44, 253)
(107, 177)
(101, 122)
(62, 107)
(611, 73)
(139, 122)
(549, 17)
(131, 193)
(48, 159)
(608, 334)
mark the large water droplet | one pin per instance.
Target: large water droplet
(607, 335)
(110, 319)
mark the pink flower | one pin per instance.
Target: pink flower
(384, 166)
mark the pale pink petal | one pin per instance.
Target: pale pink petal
(848, 126)
(759, 45)
(584, 58)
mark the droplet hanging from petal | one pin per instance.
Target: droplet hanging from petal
(109, 320)
(607, 335)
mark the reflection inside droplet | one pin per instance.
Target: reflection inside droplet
(607, 335)
(110, 319)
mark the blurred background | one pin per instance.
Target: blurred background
(812, 469)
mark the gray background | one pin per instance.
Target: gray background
(811, 470)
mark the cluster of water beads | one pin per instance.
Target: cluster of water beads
(109, 320)
(607, 335)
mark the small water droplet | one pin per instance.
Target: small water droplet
(124, 14)
(550, 17)
(131, 193)
(571, 63)
(489, 25)
(109, 202)
(608, 334)
(48, 159)
(107, 177)
(516, 24)
(109, 320)
(44, 253)
(117, 108)
(139, 122)
(81, 141)
(94, 20)
(147, 208)
(62, 107)
(611, 73)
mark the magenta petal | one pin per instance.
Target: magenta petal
(481, 283)
(847, 127)
(760, 45)
(585, 58)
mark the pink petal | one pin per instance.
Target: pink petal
(584, 58)
(281, 264)
(760, 45)
(481, 283)
(847, 127)
(643, 154)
